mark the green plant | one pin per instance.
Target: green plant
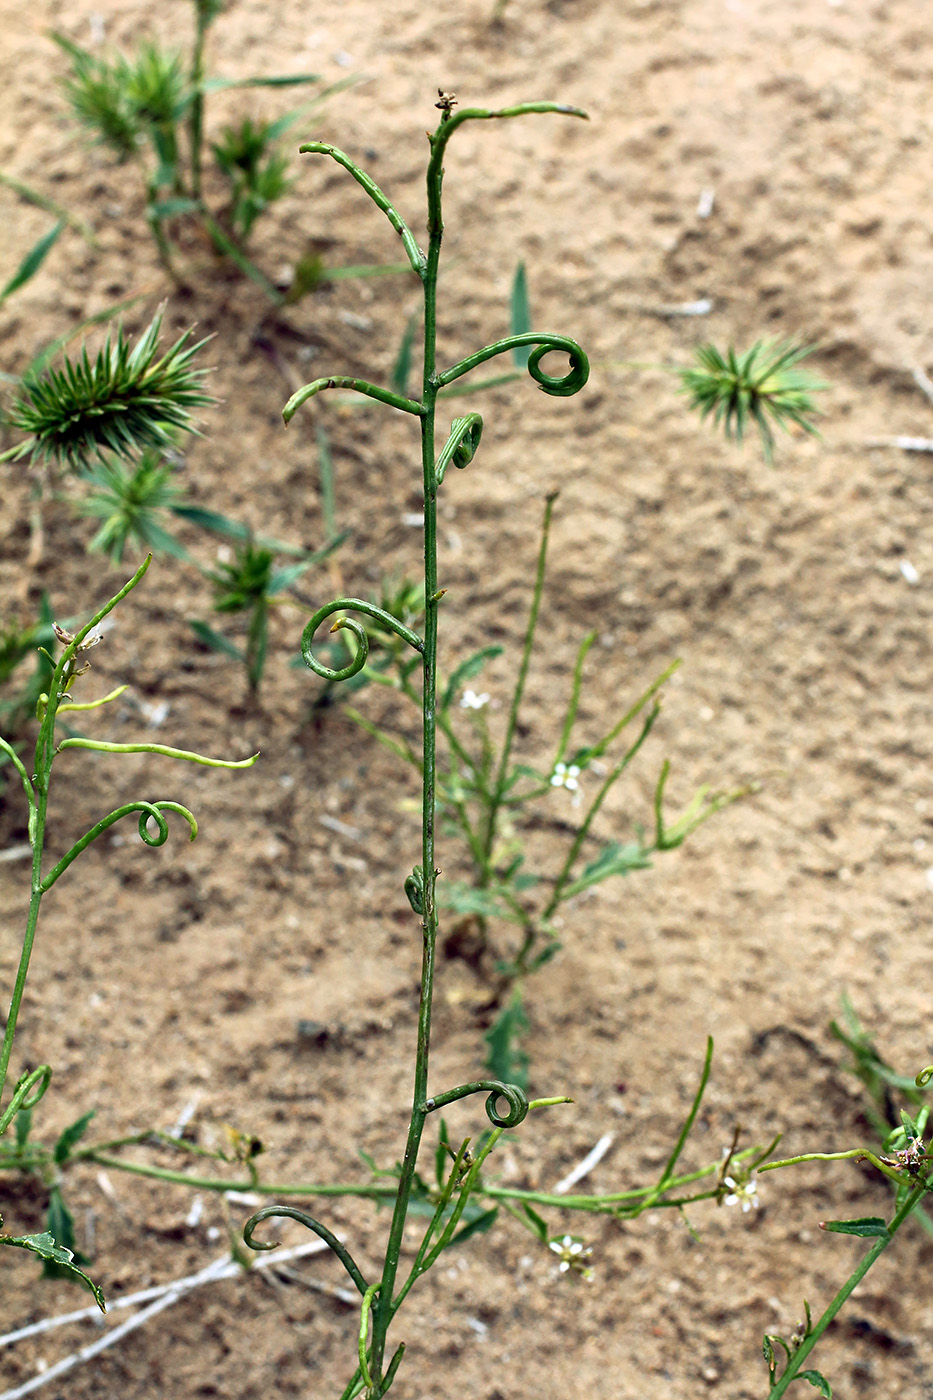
(256, 171)
(458, 1195)
(483, 794)
(250, 585)
(124, 401)
(131, 500)
(70, 666)
(32, 261)
(150, 108)
(763, 387)
(494, 781)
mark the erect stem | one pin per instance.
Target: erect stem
(382, 1310)
(19, 986)
(196, 117)
(806, 1346)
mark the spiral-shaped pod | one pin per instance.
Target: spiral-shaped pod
(147, 811)
(385, 619)
(460, 447)
(26, 1095)
(292, 1213)
(560, 386)
(924, 1077)
(495, 1089)
(516, 1100)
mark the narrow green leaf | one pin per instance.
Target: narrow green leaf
(23, 1127)
(465, 899)
(818, 1380)
(325, 463)
(401, 370)
(868, 1227)
(467, 671)
(32, 261)
(283, 80)
(63, 1259)
(613, 859)
(215, 640)
(61, 1227)
(506, 1060)
(172, 208)
(70, 1136)
(283, 579)
(457, 391)
(520, 316)
(441, 1155)
(235, 530)
(351, 270)
(541, 1229)
(479, 1226)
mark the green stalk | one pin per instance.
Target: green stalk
(19, 987)
(420, 885)
(196, 119)
(845, 1292)
(495, 800)
(38, 802)
(383, 1310)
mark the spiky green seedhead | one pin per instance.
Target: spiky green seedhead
(126, 400)
(763, 387)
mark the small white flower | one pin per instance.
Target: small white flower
(472, 701)
(566, 775)
(742, 1193)
(572, 1253)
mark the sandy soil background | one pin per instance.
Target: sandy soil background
(179, 977)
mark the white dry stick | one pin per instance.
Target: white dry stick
(159, 1297)
(185, 1117)
(352, 833)
(923, 381)
(581, 1170)
(906, 444)
(20, 852)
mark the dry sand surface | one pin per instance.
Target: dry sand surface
(798, 596)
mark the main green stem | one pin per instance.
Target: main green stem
(383, 1308)
(852, 1282)
(42, 799)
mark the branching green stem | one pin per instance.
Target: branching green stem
(795, 1362)
(36, 788)
(502, 775)
(459, 448)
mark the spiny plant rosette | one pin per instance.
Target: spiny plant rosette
(57, 701)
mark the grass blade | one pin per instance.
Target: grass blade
(32, 261)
